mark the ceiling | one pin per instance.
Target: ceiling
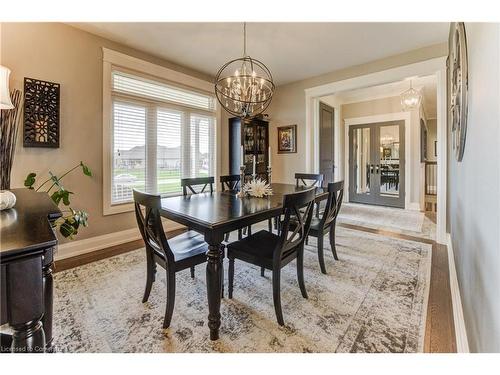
(292, 51)
(426, 84)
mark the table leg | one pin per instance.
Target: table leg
(28, 337)
(214, 285)
(48, 293)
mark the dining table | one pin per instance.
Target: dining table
(217, 213)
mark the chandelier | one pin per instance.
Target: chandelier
(244, 87)
(410, 99)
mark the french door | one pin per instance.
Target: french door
(377, 164)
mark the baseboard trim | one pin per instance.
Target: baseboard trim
(88, 245)
(413, 206)
(458, 313)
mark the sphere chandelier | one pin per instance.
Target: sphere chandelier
(244, 87)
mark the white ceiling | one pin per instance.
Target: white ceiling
(292, 51)
(427, 85)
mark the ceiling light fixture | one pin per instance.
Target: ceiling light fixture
(411, 99)
(244, 87)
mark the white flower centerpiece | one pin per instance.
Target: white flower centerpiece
(257, 188)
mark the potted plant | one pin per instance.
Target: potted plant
(71, 220)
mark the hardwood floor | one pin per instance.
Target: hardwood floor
(440, 330)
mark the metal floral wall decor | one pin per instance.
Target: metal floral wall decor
(41, 113)
(459, 81)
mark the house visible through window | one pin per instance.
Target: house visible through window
(160, 133)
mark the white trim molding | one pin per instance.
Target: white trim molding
(88, 245)
(396, 116)
(435, 66)
(456, 300)
(112, 59)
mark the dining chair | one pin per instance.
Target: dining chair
(174, 254)
(231, 183)
(273, 252)
(310, 180)
(327, 222)
(189, 185)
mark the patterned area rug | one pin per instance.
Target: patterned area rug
(372, 300)
(381, 217)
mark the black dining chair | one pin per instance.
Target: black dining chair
(189, 185)
(175, 254)
(327, 222)
(273, 252)
(230, 182)
(310, 180)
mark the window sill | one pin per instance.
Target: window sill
(118, 208)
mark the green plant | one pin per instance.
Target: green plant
(72, 219)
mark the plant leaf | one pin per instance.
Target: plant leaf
(86, 170)
(65, 197)
(56, 197)
(30, 180)
(67, 230)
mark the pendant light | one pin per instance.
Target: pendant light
(244, 86)
(411, 99)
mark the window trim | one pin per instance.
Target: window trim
(113, 59)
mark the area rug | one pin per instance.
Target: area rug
(381, 217)
(372, 300)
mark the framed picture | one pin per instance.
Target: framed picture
(287, 139)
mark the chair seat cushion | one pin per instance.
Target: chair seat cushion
(260, 244)
(186, 245)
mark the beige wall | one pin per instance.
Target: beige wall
(288, 106)
(474, 191)
(60, 53)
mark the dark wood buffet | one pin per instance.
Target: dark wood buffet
(27, 246)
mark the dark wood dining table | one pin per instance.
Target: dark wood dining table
(213, 215)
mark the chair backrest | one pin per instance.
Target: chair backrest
(150, 224)
(230, 182)
(299, 207)
(308, 179)
(189, 185)
(333, 202)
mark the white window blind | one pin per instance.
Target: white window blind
(161, 133)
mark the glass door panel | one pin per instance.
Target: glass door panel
(360, 149)
(388, 178)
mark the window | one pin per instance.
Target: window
(160, 133)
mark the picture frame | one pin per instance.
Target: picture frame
(287, 139)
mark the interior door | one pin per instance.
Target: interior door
(326, 142)
(377, 164)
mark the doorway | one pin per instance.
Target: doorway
(377, 164)
(326, 141)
